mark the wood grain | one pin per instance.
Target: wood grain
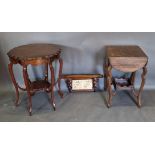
(36, 54)
(125, 59)
(34, 51)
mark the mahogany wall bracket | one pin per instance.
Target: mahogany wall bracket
(93, 77)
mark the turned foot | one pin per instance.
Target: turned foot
(139, 102)
(109, 105)
(30, 111)
(54, 106)
(61, 94)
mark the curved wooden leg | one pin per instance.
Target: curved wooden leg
(46, 72)
(132, 78)
(105, 76)
(143, 76)
(59, 77)
(46, 75)
(52, 86)
(10, 67)
(26, 81)
(109, 81)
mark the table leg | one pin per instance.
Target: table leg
(10, 67)
(109, 82)
(105, 75)
(52, 86)
(132, 78)
(59, 77)
(26, 81)
(46, 72)
(143, 76)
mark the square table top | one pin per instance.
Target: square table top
(125, 51)
(126, 58)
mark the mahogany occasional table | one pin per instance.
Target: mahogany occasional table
(36, 54)
(127, 59)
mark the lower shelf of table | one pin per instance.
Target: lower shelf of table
(123, 83)
(40, 85)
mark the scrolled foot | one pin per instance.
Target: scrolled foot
(61, 94)
(33, 93)
(109, 105)
(16, 104)
(54, 106)
(30, 111)
(139, 105)
(139, 102)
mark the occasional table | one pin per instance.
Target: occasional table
(127, 59)
(36, 54)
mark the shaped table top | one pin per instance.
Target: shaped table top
(34, 51)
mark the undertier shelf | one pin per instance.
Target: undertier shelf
(40, 85)
(123, 83)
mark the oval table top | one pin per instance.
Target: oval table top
(34, 51)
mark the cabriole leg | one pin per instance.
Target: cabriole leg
(105, 75)
(10, 67)
(52, 86)
(143, 76)
(132, 78)
(27, 84)
(59, 77)
(46, 72)
(109, 82)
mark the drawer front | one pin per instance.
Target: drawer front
(36, 62)
(128, 64)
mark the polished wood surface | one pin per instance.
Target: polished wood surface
(81, 76)
(36, 54)
(127, 59)
(34, 51)
(125, 51)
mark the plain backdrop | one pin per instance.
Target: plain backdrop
(83, 53)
